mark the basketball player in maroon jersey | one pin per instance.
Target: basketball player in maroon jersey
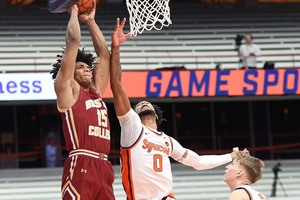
(79, 85)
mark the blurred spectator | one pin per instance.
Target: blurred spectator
(248, 52)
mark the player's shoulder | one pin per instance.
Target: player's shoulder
(239, 194)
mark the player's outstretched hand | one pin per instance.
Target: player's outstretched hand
(118, 37)
(235, 150)
(245, 151)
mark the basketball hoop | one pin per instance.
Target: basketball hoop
(148, 15)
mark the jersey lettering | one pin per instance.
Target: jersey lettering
(99, 132)
(158, 163)
(93, 103)
(102, 117)
(156, 147)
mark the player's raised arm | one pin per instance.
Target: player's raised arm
(121, 100)
(65, 86)
(102, 65)
(201, 162)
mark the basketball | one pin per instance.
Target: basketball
(84, 5)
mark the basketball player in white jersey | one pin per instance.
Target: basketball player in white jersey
(145, 151)
(244, 171)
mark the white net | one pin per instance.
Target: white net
(148, 14)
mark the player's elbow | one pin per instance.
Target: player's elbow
(72, 40)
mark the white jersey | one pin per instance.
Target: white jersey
(151, 177)
(253, 194)
(145, 163)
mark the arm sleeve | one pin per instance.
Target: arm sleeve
(131, 128)
(192, 159)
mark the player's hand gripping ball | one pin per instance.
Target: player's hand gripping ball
(84, 6)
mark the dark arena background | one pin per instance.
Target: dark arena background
(190, 69)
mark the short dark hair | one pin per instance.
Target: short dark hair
(82, 56)
(159, 113)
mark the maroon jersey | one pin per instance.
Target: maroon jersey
(86, 124)
(87, 172)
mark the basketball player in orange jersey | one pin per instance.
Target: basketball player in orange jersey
(79, 86)
(145, 150)
(244, 171)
